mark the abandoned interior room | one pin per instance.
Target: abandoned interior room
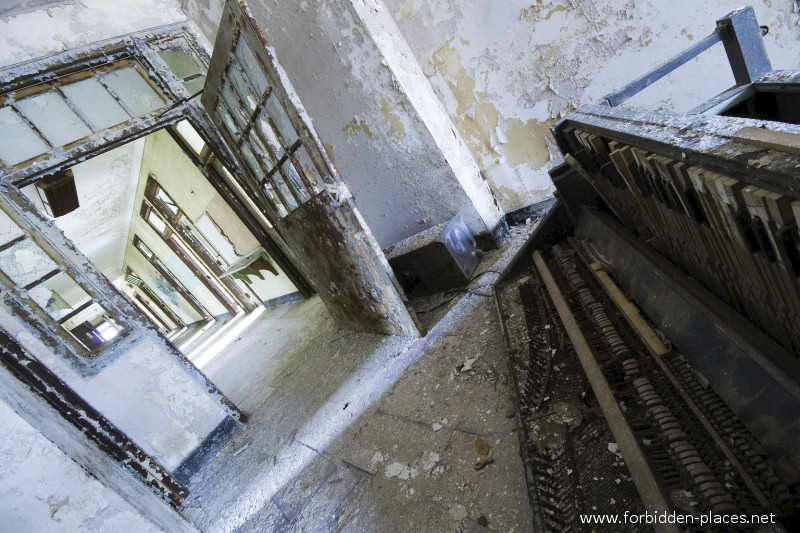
(399, 265)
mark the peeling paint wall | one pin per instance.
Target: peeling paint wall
(42, 489)
(399, 176)
(242, 244)
(106, 185)
(165, 160)
(506, 71)
(144, 391)
(42, 30)
(187, 186)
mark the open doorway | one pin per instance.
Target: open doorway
(147, 218)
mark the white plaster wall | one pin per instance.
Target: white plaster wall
(145, 391)
(148, 273)
(244, 243)
(106, 185)
(400, 178)
(506, 71)
(56, 28)
(42, 489)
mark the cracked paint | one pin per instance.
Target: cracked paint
(537, 61)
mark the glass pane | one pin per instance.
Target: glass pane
(280, 184)
(95, 103)
(144, 249)
(276, 200)
(164, 197)
(195, 86)
(18, 142)
(8, 229)
(252, 162)
(249, 63)
(59, 296)
(269, 135)
(156, 221)
(234, 106)
(134, 92)
(281, 120)
(180, 63)
(222, 113)
(294, 180)
(25, 262)
(261, 151)
(190, 135)
(52, 116)
(241, 86)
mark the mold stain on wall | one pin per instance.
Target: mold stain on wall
(507, 71)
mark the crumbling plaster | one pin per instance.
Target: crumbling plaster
(42, 489)
(106, 185)
(145, 391)
(42, 30)
(400, 177)
(506, 71)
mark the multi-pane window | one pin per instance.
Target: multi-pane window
(60, 115)
(59, 299)
(268, 140)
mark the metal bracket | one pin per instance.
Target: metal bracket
(741, 35)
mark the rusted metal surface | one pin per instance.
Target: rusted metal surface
(326, 232)
(83, 416)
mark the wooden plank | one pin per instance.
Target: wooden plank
(643, 478)
(783, 141)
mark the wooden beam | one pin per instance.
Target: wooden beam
(643, 478)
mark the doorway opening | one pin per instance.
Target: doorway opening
(149, 219)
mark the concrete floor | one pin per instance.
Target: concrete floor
(366, 433)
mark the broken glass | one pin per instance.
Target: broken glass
(295, 181)
(251, 67)
(8, 229)
(233, 105)
(25, 263)
(252, 162)
(259, 149)
(269, 135)
(58, 296)
(280, 184)
(222, 112)
(307, 168)
(281, 120)
(241, 86)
